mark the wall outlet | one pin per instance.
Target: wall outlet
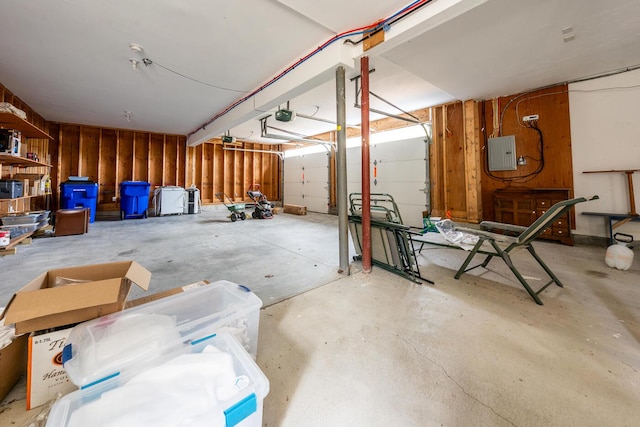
(530, 118)
(114, 199)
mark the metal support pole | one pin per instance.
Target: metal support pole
(341, 172)
(366, 177)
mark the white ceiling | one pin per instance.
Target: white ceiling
(69, 59)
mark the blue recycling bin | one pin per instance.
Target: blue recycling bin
(79, 194)
(134, 199)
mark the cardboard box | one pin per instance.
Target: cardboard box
(104, 289)
(46, 377)
(13, 363)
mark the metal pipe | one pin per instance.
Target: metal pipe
(341, 172)
(278, 153)
(319, 119)
(393, 116)
(366, 176)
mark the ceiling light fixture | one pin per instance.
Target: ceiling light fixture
(136, 48)
(134, 64)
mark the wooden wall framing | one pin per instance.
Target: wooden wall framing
(552, 107)
(111, 156)
(454, 162)
(461, 183)
(213, 169)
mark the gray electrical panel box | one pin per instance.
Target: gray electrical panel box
(502, 153)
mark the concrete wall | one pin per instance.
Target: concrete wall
(605, 135)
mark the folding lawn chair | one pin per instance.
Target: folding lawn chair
(501, 245)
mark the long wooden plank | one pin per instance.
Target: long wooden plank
(141, 153)
(472, 165)
(156, 159)
(170, 161)
(107, 168)
(125, 156)
(229, 172)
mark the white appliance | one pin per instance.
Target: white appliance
(169, 200)
(191, 201)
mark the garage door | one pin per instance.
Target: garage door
(306, 181)
(397, 168)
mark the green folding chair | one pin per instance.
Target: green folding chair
(501, 245)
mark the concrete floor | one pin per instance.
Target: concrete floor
(378, 350)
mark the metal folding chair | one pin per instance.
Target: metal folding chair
(391, 244)
(502, 245)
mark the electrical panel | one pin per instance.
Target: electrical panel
(502, 153)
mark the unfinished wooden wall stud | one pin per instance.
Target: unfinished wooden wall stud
(233, 172)
(108, 169)
(125, 156)
(552, 107)
(111, 156)
(472, 161)
(447, 167)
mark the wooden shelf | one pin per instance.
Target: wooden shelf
(9, 160)
(11, 121)
(20, 204)
(19, 198)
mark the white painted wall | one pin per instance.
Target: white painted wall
(605, 135)
(401, 172)
(306, 181)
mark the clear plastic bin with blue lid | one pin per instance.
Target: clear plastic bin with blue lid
(209, 382)
(124, 341)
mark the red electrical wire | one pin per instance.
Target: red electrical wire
(379, 24)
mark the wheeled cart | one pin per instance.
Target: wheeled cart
(236, 209)
(134, 199)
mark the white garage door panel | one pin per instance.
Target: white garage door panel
(400, 172)
(294, 193)
(314, 193)
(292, 170)
(410, 149)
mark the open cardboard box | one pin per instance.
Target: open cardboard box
(13, 363)
(103, 290)
(46, 376)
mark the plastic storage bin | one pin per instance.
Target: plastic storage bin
(120, 341)
(79, 194)
(10, 188)
(225, 389)
(134, 199)
(20, 219)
